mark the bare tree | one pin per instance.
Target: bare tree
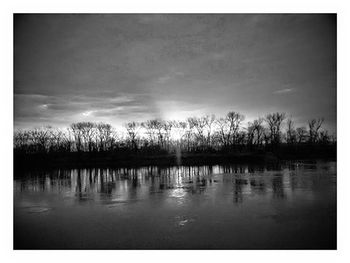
(167, 127)
(151, 130)
(250, 134)
(57, 140)
(314, 128)
(274, 122)
(159, 126)
(256, 131)
(21, 140)
(196, 133)
(301, 134)
(189, 135)
(229, 127)
(132, 129)
(40, 139)
(291, 133)
(198, 124)
(103, 136)
(77, 133)
(210, 120)
(84, 133)
(181, 129)
(324, 138)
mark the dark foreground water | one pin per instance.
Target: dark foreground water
(225, 207)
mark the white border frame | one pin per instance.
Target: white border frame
(176, 6)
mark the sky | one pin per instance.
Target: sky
(133, 67)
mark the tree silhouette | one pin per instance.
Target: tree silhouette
(196, 134)
(301, 134)
(229, 127)
(314, 128)
(291, 133)
(274, 122)
(132, 129)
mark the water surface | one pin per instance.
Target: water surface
(292, 205)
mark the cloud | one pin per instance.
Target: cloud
(118, 68)
(170, 76)
(63, 110)
(283, 91)
(87, 113)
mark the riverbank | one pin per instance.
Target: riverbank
(123, 159)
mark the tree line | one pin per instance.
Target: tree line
(195, 134)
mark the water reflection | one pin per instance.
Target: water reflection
(238, 206)
(122, 184)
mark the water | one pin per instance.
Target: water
(233, 207)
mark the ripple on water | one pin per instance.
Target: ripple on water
(118, 202)
(37, 209)
(183, 221)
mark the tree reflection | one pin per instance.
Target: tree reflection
(237, 193)
(277, 187)
(104, 185)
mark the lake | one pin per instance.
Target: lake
(286, 206)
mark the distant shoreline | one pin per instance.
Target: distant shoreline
(119, 159)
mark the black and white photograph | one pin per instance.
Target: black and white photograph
(174, 131)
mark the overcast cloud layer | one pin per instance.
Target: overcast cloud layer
(119, 68)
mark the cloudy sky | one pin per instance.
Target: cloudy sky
(119, 68)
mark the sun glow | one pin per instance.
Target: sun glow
(87, 113)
